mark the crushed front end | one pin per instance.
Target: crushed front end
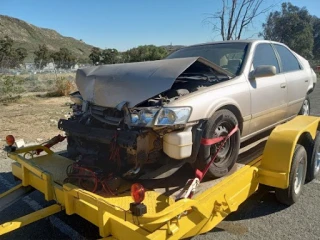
(122, 118)
(125, 140)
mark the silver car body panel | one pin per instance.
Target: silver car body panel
(109, 85)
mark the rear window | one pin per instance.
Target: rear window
(229, 56)
(288, 60)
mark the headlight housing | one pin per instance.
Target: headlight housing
(166, 116)
(144, 117)
(172, 116)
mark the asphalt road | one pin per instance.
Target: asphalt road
(259, 217)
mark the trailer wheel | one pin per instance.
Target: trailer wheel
(220, 124)
(297, 178)
(314, 163)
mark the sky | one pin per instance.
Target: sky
(124, 24)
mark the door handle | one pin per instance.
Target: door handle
(306, 80)
(283, 85)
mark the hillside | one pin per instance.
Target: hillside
(29, 36)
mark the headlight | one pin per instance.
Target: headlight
(172, 116)
(163, 117)
(144, 117)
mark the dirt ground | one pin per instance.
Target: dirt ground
(33, 119)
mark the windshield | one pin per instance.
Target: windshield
(228, 56)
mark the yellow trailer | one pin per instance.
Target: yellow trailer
(290, 156)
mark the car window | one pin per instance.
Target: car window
(229, 56)
(288, 60)
(264, 55)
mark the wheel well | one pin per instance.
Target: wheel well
(236, 112)
(306, 141)
(311, 89)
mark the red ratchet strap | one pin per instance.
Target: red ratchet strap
(53, 141)
(192, 184)
(210, 141)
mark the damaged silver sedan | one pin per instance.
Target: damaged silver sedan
(145, 120)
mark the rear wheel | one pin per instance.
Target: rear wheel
(314, 163)
(305, 109)
(297, 178)
(220, 124)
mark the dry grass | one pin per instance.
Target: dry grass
(63, 87)
(50, 84)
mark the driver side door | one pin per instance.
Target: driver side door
(268, 94)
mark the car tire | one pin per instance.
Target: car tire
(305, 109)
(220, 124)
(297, 178)
(314, 161)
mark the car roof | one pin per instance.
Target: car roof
(236, 41)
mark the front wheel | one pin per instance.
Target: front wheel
(219, 125)
(305, 109)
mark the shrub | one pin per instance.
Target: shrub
(64, 86)
(11, 85)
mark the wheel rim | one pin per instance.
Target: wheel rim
(305, 108)
(299, 176)
(225, 151)
(317, 163)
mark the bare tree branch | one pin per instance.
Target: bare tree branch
(235, 25)
(233, 8)
(235, 15)
(222, 19)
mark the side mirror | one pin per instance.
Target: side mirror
(264, 71)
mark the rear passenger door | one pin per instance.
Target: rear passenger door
(297, 79)
(268, 94)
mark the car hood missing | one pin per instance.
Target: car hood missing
(109, 85)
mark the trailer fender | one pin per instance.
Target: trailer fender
(277, 156)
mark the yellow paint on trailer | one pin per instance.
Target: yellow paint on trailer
(276, 162)
(166, 219)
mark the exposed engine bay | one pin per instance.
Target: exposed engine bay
(128, 137)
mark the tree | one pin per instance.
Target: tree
(293, 27)
(42, 56)
(231, 21)
(9, 56)
(63, 58)
(84, 60)
(316, 37)
(95, 55)
(110, 56)
(5, 50)
(22, 53)
(144, 53)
